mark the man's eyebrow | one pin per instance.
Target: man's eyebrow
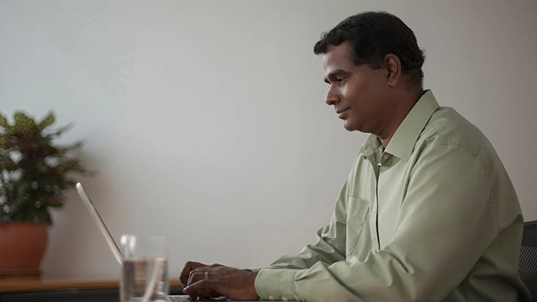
(333, 75)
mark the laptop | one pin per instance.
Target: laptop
(115, 248)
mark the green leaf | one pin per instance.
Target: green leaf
(59, 131)
(24, 125)
(62, 150)
(3, 121)
(47, 121)
(20, 117)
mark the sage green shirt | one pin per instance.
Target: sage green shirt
(433, 217)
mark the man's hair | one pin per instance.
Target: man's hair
(373, 35)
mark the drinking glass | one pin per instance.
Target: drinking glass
(144, 273)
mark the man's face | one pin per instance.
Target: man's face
(358, 93)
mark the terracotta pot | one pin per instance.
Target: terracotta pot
(22, 245)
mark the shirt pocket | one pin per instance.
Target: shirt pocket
(357, 226)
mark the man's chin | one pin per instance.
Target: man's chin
(350, 127)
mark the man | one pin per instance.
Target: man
(428, 212)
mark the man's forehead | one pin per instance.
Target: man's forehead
(337, 57)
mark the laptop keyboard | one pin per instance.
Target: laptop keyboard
(179, 299)
(185, 298)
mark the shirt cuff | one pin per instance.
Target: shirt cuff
(256, 269)
(276, 284)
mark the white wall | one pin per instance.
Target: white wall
(206, 123)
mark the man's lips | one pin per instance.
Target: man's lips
(341, 111)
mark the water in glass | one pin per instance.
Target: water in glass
(136, 277)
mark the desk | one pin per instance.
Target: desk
(66, 290)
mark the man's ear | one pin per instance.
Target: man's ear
(392, 64)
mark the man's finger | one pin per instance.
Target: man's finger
(195, 276)
(189, 266)
(200, 288)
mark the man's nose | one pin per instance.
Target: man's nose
(331, 96)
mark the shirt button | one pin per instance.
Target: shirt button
(386, 156)
(374, 211)
(271, 298)
(284, 298)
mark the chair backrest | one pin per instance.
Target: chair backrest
(528, 258)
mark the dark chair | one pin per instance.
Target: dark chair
(528, 258)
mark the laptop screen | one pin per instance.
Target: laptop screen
(100, 223)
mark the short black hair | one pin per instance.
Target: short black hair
(373, 35)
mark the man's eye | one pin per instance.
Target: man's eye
(340, 80)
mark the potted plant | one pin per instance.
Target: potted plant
(33, 174)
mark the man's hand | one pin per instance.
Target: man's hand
(205, 281)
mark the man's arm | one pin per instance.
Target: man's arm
(330, 245)
(238, 284)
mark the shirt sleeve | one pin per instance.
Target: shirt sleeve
(448, 194)
(330, 244)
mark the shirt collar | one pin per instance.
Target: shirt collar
(408, 132)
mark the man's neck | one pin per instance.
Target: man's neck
(407, 102)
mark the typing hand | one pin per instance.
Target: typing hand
(192, 267)
(205, 281)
